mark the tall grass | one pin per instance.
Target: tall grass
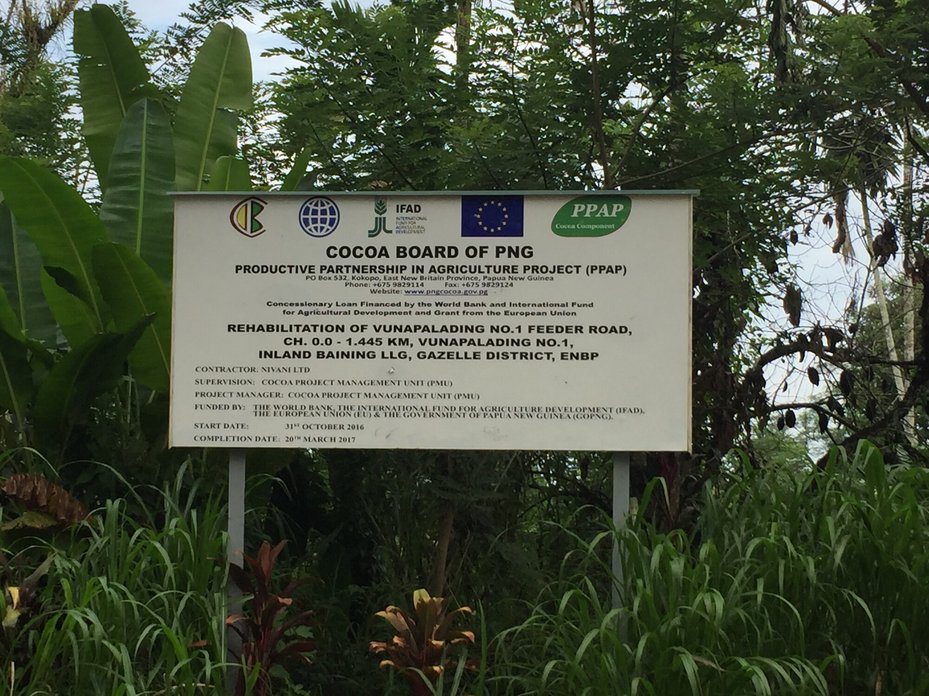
(810, 582)
(130, 607)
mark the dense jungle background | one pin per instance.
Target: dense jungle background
(786, 554)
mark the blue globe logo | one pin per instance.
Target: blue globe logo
(319, 216)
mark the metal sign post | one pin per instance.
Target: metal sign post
(620, 511)
(235, 551)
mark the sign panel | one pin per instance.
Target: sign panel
(555, 321)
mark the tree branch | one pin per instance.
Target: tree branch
(596, 96)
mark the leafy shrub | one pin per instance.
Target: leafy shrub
(795, 582)
(129, 608)
(421, 647)
(270, 634)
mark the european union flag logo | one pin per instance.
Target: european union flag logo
(491, 216)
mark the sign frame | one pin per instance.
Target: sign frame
(257, 201)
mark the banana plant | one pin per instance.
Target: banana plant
(64, 229)
(83, 293)
(80, 268)
(15, 374)
(144, 156)
(230, 174)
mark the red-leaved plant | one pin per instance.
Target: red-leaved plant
(420, 647)
(268, 634)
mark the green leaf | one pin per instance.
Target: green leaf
(69, 283)
(59, 221)
(89, 369)
(112, 76)
(9, 324)
(230, 174)
(8, 319)
(133, 292)
(15, 377)
(205, 127)
(297, 174)
(20, 266)
(75, 318)
(136, 209)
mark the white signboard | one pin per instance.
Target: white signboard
(556, 321)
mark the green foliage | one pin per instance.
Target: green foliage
(104, 277)
(348, 515)
(35, 119)
(65, 395)
(875, 393)
(15, 379)
(62, 225)
(229, 174)
(219, 85)
(132, 290)
(137, 211)
(112, 78)
(129, 606)
(795, 580)
(800, 582)
(380, 100)
(20, 268)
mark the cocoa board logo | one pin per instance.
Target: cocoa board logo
(244, 216)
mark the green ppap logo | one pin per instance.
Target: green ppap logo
(592, 216)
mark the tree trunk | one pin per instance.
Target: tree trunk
(899, 378)
(909, 284)
(463, 44)
(590, 10)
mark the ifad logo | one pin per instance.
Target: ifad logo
(592, 216)
(491, 216)
(319, 216)
(244, 216)
(380, 219)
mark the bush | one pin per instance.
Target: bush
(794, 582)
(129, 607)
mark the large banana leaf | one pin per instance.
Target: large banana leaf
(20, 265)
(136, 209)
(112, 76)
(15, 374)
(9, 322)
(133, 292)
(88, 370)
(68, 282)
(59, 221)
(15, 379)
(230, 174)
(11, 326)
(75, 317)
(205, 127)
